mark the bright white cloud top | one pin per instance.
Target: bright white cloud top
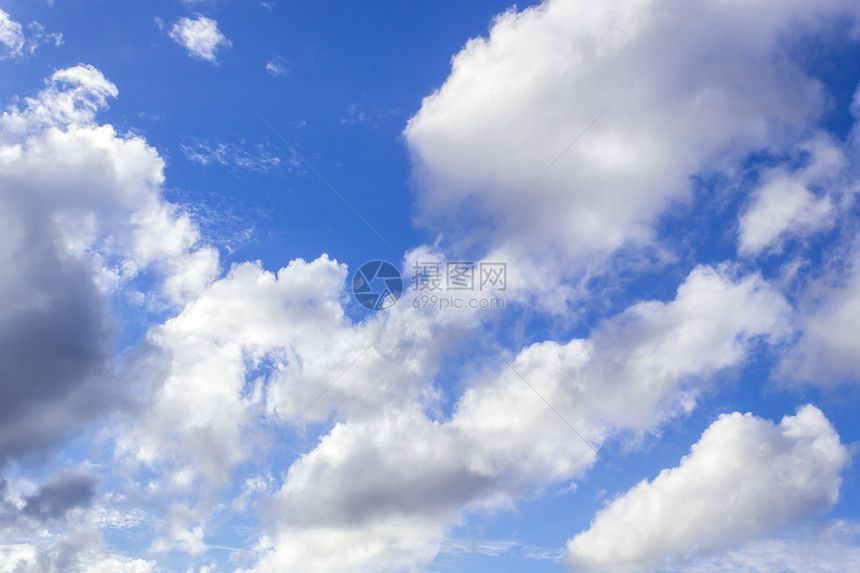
(745, 478)
(657, 115)
(189, 386)
(200, 36)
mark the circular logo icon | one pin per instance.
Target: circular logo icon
(377, 285)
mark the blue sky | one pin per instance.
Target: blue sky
(627, 337)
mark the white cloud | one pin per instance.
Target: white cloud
(392, 544)
(38, 36)
(82, 214)
(496, 548)
(829, 349)
(784, 205)
(257, 350)
(277, 66)
(15, 42)
(62, 530)
(745, 478)
(354, 114)
(389, 482)
(72, 99)
(516, 99)
(200, 36)
(830, 548)
(25, 558)
(648, 352)
(206, 349)
(828, 308)
(261, 343)
(11, 35)
(235, 155)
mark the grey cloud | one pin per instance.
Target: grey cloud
(64, 198)
(63, 491)
(54, 338)
(8, 510)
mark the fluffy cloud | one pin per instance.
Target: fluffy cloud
(387, 485)
(648, 352)
(57, 526)
(261, 346)
(80, 550)
(744, 478)
(55, 326)
(829, 304)
(82, 215)
(829, 350)
(784, 204)
(244, 358)
(63, 491)
(26, 559)
(59, 494)
(200, 36)
(201, 357)
(514, 101)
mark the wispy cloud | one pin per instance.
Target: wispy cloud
(15, 42)
(354, 114)
(278, 66)
(11, 34)
(237, 155)
(494, 548)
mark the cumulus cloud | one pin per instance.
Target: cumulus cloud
(745, 478)
(515, 100)
(200, 36)
(82, 215)
(57, 527)
(784, 204)
(827, 351)
(75, 545)
(388, 484)
(55, 328)
(62, 492)
(243, 358)
(272, 343)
